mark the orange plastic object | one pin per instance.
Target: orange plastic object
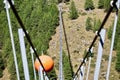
(47, 62)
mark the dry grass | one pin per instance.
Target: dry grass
(79, 39)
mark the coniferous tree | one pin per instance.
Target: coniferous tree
(89, 5)
(101, 4)
(52, 75)
(117, 35)
(59, 1)
(110, 32)
(117, 45)
(106, 4)
(3, 38)
(66, 0)
(40, 19)
(73, 11)
(2, 67)
(66, 67)
(2, 5)
(97, 24)
(117, 66)
(88, 24)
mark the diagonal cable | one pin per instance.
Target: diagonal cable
(23, 27)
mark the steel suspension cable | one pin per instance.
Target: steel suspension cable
(66, 40)
(27, 36)
(96, 36)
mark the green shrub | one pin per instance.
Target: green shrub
(110, 32)
(101, 4)
(88, 24)
(67, 68)
(97, 24)
(1, 73)
(73, 11)
(2, 67)
(107, 4)
(59, 1)
(117, 35)
(40, 20)
(89, 5)
(117, 66)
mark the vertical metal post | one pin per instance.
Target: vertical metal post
(99, 56)
(7, 6)
(82, 72)
(112, 43)
(31, 51)
(75, 78)
(88, 70)
(23, 54)
(40, 73)
(60, 61)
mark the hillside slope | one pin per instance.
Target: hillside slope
(79, 39)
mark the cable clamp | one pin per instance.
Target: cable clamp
(111, 3)
(97, 33)
(7, 5)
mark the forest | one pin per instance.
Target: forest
(40, 19)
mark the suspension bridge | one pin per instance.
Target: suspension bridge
(42, 70)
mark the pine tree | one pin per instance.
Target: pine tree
(117, 45)
(106, 4)
(88, 24)
(110, 32)
(66, 67)
(89, 5)
(3, 39)
(73, 11)
(97, 24)
(66, 0)
(40, 19)
(101, 4)
(117, 66)
(59, 1)
(1, 5)
(52, 75)
(2, 67)
(117, 35)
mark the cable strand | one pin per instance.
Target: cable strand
(23, 27)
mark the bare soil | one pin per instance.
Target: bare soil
(6, 75)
